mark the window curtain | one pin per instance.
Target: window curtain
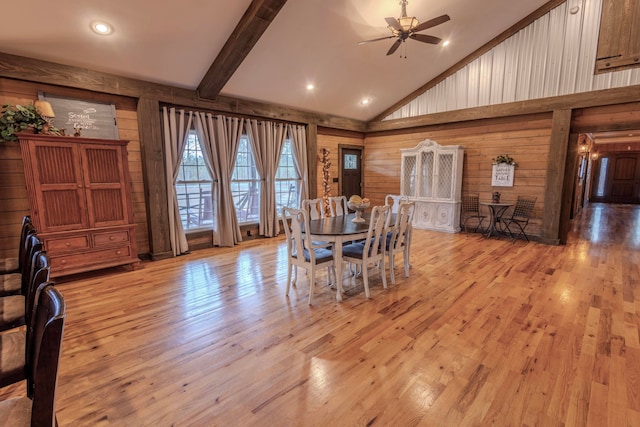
(219, 138)
(176, 131)
(267, 139)
(298, 136)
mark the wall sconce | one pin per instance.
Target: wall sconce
(594, 155)
(583, 149)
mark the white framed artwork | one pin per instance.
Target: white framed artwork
(502, 175)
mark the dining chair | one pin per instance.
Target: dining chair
(302, 252)
(372, 249)
(394, 200)
(44, 343)
(314, 208)
(519, 217)
(15, 309)
(399, 238)
(338, 205)
(471, 211)
(13, 268)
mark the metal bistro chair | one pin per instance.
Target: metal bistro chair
(471, 211)
(520, 216)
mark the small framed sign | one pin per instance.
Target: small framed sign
(93, 119)
(502, 175)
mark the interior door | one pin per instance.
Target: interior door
(617, 178)
(350, 171)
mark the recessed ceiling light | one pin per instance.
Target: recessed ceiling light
(101, 27)
(446, 43)
(365, 101)
(310, 86)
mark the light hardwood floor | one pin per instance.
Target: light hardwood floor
(484, 332)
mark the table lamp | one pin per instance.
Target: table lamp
(45, 109)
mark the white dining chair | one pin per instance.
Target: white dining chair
(338, 205)
(314, 208)
(394, 200)
(302, 252)
(372, 249)
(399, 238)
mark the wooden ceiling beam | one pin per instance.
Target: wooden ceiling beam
(253, 24)
(34, 70)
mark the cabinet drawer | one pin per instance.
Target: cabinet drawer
(110, 238)
(102, 257)
(66, 244)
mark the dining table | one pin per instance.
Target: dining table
(337, 230)
(496, 210)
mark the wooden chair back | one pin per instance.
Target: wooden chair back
(314, 208)
(338, 205)
(394, 201)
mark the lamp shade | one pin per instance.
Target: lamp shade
(44, 108)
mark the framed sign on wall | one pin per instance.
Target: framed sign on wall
(502, 175)
(91, 119)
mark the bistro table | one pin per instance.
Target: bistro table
(495, 211)
(338, 229)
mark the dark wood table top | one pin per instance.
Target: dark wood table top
(339, 225)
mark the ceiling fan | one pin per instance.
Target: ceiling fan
(407, 27)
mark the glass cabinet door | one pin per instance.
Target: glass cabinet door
(409, 176)
(444, 188)
(426, 174)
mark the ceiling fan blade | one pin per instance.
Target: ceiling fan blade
(431, 23)
(375, 40)
(393, 23)
(425, 38)
(394, 46)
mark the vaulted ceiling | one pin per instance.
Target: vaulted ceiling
(263, 50)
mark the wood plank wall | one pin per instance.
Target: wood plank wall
(14, 202)
(526, 139)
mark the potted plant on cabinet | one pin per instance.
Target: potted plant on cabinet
(23, 118)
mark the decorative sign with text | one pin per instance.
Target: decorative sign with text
(93, 119)
(502, 175)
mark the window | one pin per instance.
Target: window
(288, 181)
(245, 184)
(193, 187)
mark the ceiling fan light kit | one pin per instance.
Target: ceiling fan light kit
(406, 27)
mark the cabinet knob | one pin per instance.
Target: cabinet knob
(64, 261)
(67, 244)
(112, 238)
(118, 252)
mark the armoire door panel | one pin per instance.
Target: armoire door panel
(105, 189)
(61, 192)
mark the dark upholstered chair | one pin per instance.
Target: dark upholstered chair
(43, 347)
(11, 269)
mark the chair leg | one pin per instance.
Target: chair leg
(392, 275)
(312, 285)
(288, 279)
(407, 266)
(384, 273)
(365, 278)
